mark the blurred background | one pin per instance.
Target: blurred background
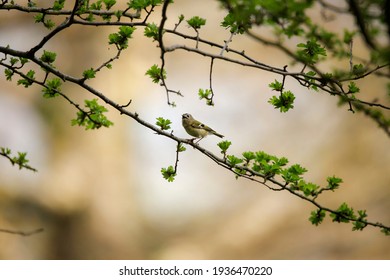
(100, 194)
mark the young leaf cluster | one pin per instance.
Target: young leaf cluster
(19, 160)
(270, 167)
(94, 118)
(196, 22)
(164, 124)
(207, 95)
(285, 101)
(154, 73)
(310, 52)
(121, 38)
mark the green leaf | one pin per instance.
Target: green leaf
(358, 69)
(284, 102)
(152, 31)
(143, 4)
(52, 88)
(233, 160)
(97, 5)
(352, 88)
(48, 57)
(360, 224)
(121, 38)
(20, 160)
(343, 214)
(249, 156)
(278, 86)
(333, 183)
(237, 24)
(94, 118)
(293, 174)
(169, 173)
(316, 217)
(8, 74)
(164, 124)
(311, 52)
(308, 189)
(58, 5)
(206, 94)
(386, 231)
(29, 80)
(89, 74)
(154, 73)
(348, 36)
(23, 60)
(30, 4)
(224, 146)
(13, 61)
(109, 3)
(196, 22)
(39, 18)
(181, 148)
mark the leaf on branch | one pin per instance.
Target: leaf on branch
(311, 52)
(143, 4)
(48, 57)
(361, 223)
(358, 70)
(94, 118)
(49, 24)
(233, 160)
(206, 94)
(152, 31)
(164, 124)
(181, 148)
(277, 86)
(333, 183)
(89, 74)
(293, 174)
(58, 5)
(20, 160)
(52, 88)
(8, 74)
(154, 73)
(109, 3)
(249, 156)
(353, 88)
(316, 217)
(121, 38)
(224, 146)
(343, 214)
(308, 189)
(196, 22)
(284, 102)
(169, 173)
(236, 23)
(27, 81)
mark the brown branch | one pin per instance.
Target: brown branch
(22, 233)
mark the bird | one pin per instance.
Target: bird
(196, 128)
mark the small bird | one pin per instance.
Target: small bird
(196, 128)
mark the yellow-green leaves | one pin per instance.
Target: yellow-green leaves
(121, 38)
(155, 74)
(164, 124)
(93, 116)
(310, 52)
(196, 22)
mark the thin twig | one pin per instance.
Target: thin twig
(22, 233)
